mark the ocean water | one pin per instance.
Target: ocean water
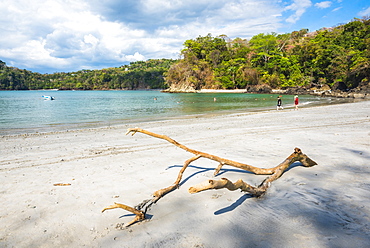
(29, 112)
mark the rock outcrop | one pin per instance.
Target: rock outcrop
(339, 90)
(259, 89)
(180, 88)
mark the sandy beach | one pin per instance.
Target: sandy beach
(327, 205)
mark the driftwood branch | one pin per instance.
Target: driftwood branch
(297, 155)
(139, 214)
(274, 173)
(159, 193)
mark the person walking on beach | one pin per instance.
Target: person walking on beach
(296, 102)
(279, 103)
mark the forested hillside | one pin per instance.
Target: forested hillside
(325, 57)
(137, 75)
(336, 57)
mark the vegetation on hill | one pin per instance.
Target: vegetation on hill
(325, 57)
(137, 75)
(330, 56)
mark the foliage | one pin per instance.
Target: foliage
(136, 75)
(300, 58)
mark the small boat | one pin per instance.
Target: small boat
(48, 97)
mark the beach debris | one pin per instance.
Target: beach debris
(257, 191)
(62, 184)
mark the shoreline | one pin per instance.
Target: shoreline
(327, 205)
(356, 93)
(222, 91)
(68, 127)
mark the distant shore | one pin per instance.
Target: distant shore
(222, 91)
(357, 93)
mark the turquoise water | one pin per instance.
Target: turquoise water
(28, 111)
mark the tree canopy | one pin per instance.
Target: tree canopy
(137, 75)
(300, 58)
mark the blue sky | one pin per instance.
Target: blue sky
(50, 36)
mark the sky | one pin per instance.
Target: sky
(48, 36)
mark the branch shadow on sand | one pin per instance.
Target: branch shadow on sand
(237, 203)
(147, 216)
(205, 169)
(246, 196)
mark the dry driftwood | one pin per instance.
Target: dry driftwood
(141, 209)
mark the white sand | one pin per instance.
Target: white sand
(327, 205)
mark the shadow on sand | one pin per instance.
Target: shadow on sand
(234, 205)
(205, 169)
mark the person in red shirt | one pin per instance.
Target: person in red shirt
(296, 102)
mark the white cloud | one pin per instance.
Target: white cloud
(91, 39)
(233, 18)
(34, 54)
(74, 34)
(69, 33)
(62, 33)
(136, 57)
(336, 9)
(299, 8)
(365, 12)
(323, 5)
(155, 6)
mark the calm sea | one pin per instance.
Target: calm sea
(29, 112)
